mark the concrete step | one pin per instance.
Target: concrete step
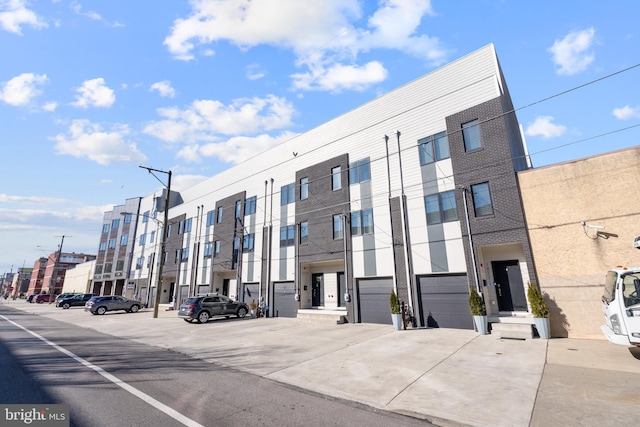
(321, 315)
(522, 331)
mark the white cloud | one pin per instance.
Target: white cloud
(234, 150)
(94, 93)
(626, 112)
(21, 89)
(39, 200)
(205, 120)
(544, 127)
(339, 77)
(255, 72)
(14, 14)
(184, 182)
(323, 35)
(77, 8)
(163, 88)
(50, 106)
(573, 53)
(87, 140)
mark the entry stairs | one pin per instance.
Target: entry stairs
(322, 315)
(514, 327)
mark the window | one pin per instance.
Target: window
(287, 194)
(124, 239)
(287, 234)
(248, 242)
(482, 204)
(127, 218)
(304, 232)
(107, 267)
(359, 171)
(336, 178)
(238, 209)
(304, 188)
(152, 238)
(471, 135)
(362, 222)
(143, 239)
(168, 231)
(119, 265)
(219, 215)
(433, 148)
(208, 249)
(145, 217)
(149, 261)
(115, 223)
(103, 246)
(441, 207)
(98, 269)
(338, 231)
(139, 262)
(177, 255)
(250, 205)
(211, 217)
(105, 228)
(112, 243)
(185, 254)
(180, 227)
(187, 225)
(216, 248)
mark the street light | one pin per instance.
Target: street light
(165, 225)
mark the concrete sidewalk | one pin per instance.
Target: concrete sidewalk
(446, 376)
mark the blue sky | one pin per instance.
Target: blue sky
(89, 90)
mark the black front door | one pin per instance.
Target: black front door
(509, 286)
(225, 287)
(317, 289)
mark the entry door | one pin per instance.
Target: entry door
(225, 287)
(317, 289)
(509, 286)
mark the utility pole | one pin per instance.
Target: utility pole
(54, 275)
(163, 240)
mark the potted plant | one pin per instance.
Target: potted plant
(396, 314)
(539, 310)
(478, 311)
(253, 306)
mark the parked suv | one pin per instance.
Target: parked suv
(73, 301)
(41, 298)
(202, 308)
(102, 304)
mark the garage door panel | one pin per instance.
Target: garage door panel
(284, 302)
(373, 300)
(445, 301)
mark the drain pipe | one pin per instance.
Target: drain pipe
(473, 257)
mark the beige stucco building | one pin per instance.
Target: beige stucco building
(582, 219)
(78, 279)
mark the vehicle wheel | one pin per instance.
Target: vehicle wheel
(134, 308)
(101, 310)
(242, 312)
(66, 305)
(203, 317)
(40, 301)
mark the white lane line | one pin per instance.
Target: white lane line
(117, 381)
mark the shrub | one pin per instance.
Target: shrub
(394, 302)
(476, 304)
(538, 304)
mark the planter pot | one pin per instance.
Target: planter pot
(396, 319)
(482, 324)
(542, 326)
(253, 313)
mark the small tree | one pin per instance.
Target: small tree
(476, 304)
(538, 304)
(394, 302)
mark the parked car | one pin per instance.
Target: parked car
(102, 304)
(41, 298)
(66, 295)
(202, 308)
(31, 297)
(73, 301)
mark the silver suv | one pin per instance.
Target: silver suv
(102, 304)
(204, 307)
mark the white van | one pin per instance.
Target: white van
(621, 306)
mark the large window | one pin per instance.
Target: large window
(208, 249)
(287, 194)
(139, 262)
(471, 135)
(433, 148)
(185, 254)
(441, 207)
(287, 235)
(127, 218)
(103, 246)
(362, 222)
(359, 171)
(211, 218)
(248, 242)
(238, 209)
(107, 267)
(105, 228)
(250, 205)
(482, 203)
(338, 230)
(187, 225)
(336, 178)
(219, 215)
(124, 239)
(145, 217)
(152, 238)
(115, 223)
(304, 232)
(112, 243)
(216, 248)
(119, 265)
(304, 188)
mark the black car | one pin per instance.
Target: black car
(102, 304)
(202, 308)
(73, 301)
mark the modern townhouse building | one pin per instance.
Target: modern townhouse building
(415, 191)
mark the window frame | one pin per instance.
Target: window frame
(338, 227)
(430, 148)
(336, 178)
(287, 194)
(360, 171)
(304, 188)
(475, 195)
(441, 199)
(304, 233)
(471, 135)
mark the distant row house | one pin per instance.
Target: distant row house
(416, 191)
